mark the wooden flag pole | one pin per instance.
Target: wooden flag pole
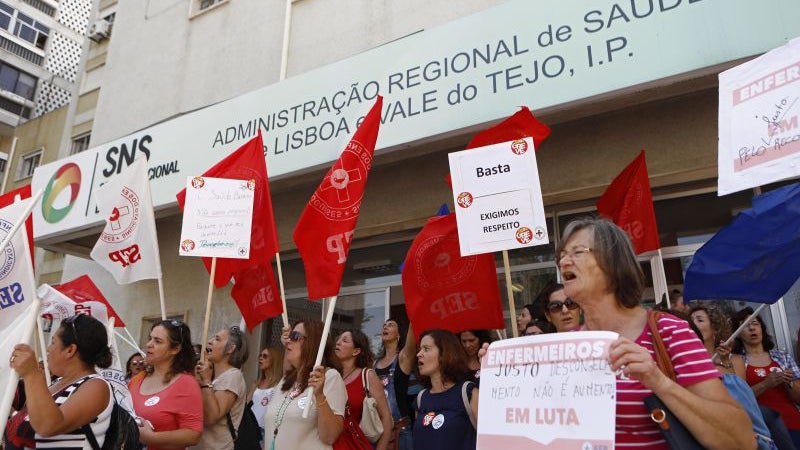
(511, 307)
(285, 314)
(741, 328)
(42, 346)
(208, 306)
(321, 351)
(161, 297)
(10, 388)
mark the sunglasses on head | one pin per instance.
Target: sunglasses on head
(295, 336)
(71, 321)
(176, 324)
(555, 307)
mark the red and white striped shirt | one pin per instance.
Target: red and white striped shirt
(692, 365)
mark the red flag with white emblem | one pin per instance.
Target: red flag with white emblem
(128, 246)
(256, 294)
(326, 226)
(445, 290)
(628, 202)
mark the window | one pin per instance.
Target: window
(29, 163)
(80, 143)
(16, 81)
(201, 6)
(31, 30)
(6, 14)
(3, 164)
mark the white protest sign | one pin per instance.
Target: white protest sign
(217, 218)
(498, 197)
(759, 129)
(548, 391)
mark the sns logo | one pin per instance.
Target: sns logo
(126, 256)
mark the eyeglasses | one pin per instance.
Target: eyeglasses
(575, 253)
(555, 307)
(295, 336)
(263, 356)
(71, 321)
(176, 324)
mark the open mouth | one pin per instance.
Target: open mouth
(568, 276)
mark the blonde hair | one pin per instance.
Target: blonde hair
(275, 371)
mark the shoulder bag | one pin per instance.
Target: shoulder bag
(370, 423)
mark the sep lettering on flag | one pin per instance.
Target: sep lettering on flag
(628, 202)
(445, 290)
(326, 227)
(128, 245)
(248, 163)
(17, 295)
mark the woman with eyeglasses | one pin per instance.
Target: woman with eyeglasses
(285, 427)
(355, 356)
(600, 272)
(270, 372)
(472, 340)
(561, 311)
(77, 403)
(222, 387)
(134, 365)
(166, 396)
(771, 373)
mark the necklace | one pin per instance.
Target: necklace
(287, 400)
(349, 374)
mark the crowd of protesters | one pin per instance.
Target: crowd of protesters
(728, 397)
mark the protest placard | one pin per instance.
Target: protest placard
(759, 133)
(548, 391)
(217, 218)
(498, 197)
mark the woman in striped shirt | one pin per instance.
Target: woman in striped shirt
(79, 397)
(601, 274)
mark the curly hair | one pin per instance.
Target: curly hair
(720, 325)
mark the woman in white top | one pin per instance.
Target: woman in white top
(284, 425)
(78, 397)
(270, 372)
(223, 387)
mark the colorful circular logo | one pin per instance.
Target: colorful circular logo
(519, 147)
(198, 182)
(464, 200)
(67, 177)
(187, 245)
(524, 235)
(7, 256)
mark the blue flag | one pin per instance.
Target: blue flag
(756, 258)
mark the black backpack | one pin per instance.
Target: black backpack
(248, 436)
(122, 433)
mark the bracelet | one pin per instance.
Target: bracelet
(323, 402)
(727, 365)
(207, 386)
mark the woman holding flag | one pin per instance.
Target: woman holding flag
(77, 403)
(285, 427)
(166, 396)
(602, 275)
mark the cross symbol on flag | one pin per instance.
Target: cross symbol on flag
(242, 251)
(339, 180)
(539, 233)
(116, 214)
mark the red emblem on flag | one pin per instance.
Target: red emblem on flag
(464, 200)
(519, 147)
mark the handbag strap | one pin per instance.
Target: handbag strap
(663, 359)
(467, 406)
(365, 382)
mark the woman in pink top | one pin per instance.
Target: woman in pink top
(166, 397)
(602, 275)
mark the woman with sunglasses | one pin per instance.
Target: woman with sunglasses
(352, 349)
(270, 372)
(134, 365)
(561, 311)
(285, 427)
(78, 402)
(166, 397)
(602, 275)
(222, 387)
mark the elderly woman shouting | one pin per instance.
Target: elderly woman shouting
(601, 274)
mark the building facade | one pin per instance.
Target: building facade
(188, 82)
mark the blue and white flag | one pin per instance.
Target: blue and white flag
(18, 303)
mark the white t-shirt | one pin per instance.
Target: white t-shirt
(261, 399)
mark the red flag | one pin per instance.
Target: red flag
(248, 163)
(519, 125)
(83, 289)
(8, 198)
(445, 290)
(256, 294)
(326, 226)
(628, 202)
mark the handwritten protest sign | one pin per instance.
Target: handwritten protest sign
(759, 110)
(548, 391)
(217, 218)
(498, 197)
